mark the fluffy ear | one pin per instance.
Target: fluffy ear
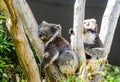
(95, 25)
(58, 27)
(93, 20)
(71, 31)
(44, 22)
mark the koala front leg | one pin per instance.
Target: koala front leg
(49, 57)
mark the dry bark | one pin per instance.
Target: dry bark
(109, 23)
(30, 25)
(23, 50)
(76, 38)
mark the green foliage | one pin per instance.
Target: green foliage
(74, 79)
(111, 73)
(5, 44)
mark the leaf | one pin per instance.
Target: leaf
(1, 16)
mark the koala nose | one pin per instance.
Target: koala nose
(40, 34)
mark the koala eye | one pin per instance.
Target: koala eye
(53, 30)
(40, 34)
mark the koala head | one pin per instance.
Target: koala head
(90, 25)
(47, 31)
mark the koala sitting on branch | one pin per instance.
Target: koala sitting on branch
(91, 39)
(57, 49)
(92, 42)
(90, 34)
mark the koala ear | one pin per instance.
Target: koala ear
(71, 31)
(58, 27)
(93, 20)
(44, 22)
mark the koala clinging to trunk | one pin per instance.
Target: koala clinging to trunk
(57, 49)
(90, 34)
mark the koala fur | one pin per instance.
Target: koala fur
(90, 34)
(57, 49)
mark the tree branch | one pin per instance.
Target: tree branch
(30, 25)
(76, 38)
(24, 52)
(109, 23)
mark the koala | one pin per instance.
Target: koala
(57, 49)
(90, 34)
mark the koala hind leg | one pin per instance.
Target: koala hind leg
(67, 62)
(47, 60)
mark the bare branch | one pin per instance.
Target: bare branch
(76, 38)
(109, 23)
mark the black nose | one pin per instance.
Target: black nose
(91, 30)
(40, 34)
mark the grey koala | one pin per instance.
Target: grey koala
(57, 49)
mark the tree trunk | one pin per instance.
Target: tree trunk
(109, 23)
(31, 27)
(77, 37)
(24, 52)
(53, 74)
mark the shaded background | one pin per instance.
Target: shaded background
(61, 12)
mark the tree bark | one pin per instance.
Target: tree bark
(24, 52)
(31, 27)
(77, 37)
(53, 74)
(108, 24)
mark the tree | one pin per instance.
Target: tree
(15, 27)
(19, 24)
